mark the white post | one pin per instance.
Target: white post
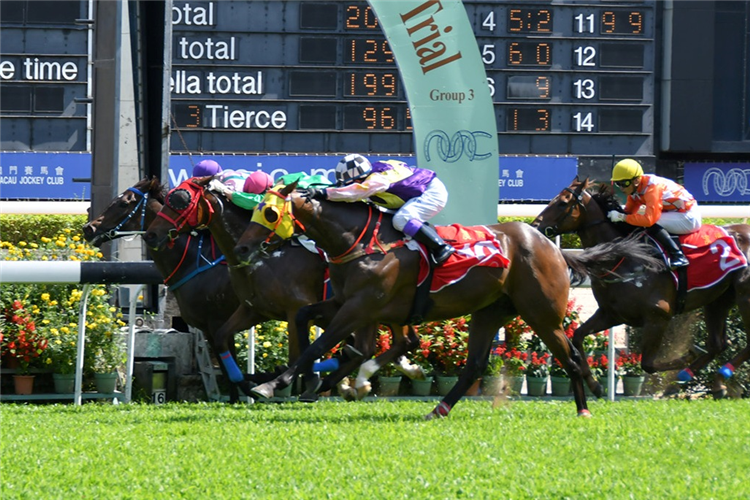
(611, 381)
(81, 343)
(250, 357)
(134, 293)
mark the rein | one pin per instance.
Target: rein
(370, 249)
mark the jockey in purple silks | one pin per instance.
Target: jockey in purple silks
(415, 193)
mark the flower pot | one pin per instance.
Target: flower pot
(65, 383)
(388, 386)
(106, 383)
(286, 392)
(492, 385)
(24, 384)
(560, 386)
(632, 385)
(514, 383)
(536, 386)
(445, 384)
(421, 387)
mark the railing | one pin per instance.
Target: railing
(88, 273)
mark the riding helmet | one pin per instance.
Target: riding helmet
(351, 168)
(626, 169)
(205, 168)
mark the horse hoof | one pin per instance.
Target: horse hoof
(363, 391)
(246, 387)
(584, 414)
(308, 397)
(263, 391)
(720, 393)
(348, 394)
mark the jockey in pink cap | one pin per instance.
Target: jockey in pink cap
(245, 189)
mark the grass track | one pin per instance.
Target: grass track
(379, 450)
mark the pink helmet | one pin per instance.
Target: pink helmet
(206, 167)
(257, 182)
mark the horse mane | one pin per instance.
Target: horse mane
(155, 189)
(604, 196)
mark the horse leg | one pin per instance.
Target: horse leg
(727, 371)
(364, 347)
(347, 319)
(484, 325)
(241, 319)
(599, 321)
(403, 342)
(210, 335)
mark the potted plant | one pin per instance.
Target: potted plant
(389, 379)
(21, 342)
(492, 375)
(422, 358)
(600, 369)
(537, 373)
(449, 348)
(559, 378)
(633, 375)
(515, 368)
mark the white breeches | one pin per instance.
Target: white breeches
(423, 207)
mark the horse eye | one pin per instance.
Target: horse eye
(270, 214)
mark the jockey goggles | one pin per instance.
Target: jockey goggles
(623, 184)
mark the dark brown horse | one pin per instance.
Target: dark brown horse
(273, 288)
(192, 267)
(375, 280)
(638, 297)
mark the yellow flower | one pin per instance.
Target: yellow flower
(76, 238)
(65, 329)
(45, 239)
(44, 257)
(99, 255)
(112, 309)
(60, 243)
(45, 322)
(33, 245)
(53, 302)
(21, 243)
(49, 361)
(266, 344)
(45, 297)
(58, 342)
(54, 331)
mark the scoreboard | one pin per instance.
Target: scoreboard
(572, 78)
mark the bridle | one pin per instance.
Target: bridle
(286, 211)
(190, 214)
(115, 232)
(576, 200)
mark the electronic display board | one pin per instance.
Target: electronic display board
(566, 78)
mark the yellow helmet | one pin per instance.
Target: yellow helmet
(626, 169)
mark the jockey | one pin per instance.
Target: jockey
(415, 193)
(669, 207)
(243, 188)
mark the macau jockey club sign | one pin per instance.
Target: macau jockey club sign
(718, 182)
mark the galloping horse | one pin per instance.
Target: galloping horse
(191, 267)
(270, 289)
(375, 279)
(643, 298)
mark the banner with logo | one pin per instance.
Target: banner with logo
(718, 182)
(455, 130)
(45, 176)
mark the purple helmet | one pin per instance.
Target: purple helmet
(206, 167)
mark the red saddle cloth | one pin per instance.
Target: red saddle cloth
(475, 246)
(712, 253)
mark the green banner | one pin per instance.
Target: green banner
(455, 132)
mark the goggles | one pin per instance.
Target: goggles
(623, 184)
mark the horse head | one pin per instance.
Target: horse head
(186, 208)
(273, 222)
(128, 214)
(566, 212)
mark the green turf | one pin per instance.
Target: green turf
(377, 450)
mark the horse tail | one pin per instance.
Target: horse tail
(604, 259)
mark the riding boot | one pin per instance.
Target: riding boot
(677, 259)
(438, 248)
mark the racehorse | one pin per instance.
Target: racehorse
(375, 279)
(270, 289)
(192, 267)
(639, 297)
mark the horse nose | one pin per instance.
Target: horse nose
(150, 238)
(242, 252)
